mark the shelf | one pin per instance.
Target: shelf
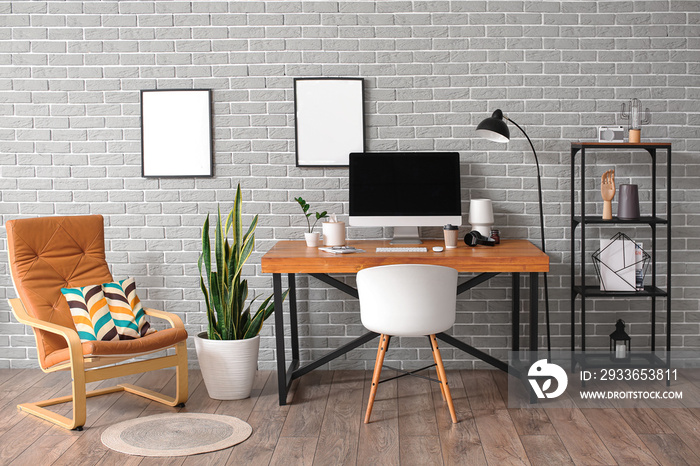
(598, 220)
(596, 292)
(637, 360)
(590, 288)
(621, 145)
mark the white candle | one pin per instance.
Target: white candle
(620, 350)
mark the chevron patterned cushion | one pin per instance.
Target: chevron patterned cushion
(126, 309)
(90, 312)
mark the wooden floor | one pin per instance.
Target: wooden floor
(323, 425)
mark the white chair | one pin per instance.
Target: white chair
(408, 300)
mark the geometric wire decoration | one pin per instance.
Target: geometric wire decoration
(619, 263)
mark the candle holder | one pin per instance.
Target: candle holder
(620, 343)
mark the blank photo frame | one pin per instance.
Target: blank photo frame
(176, 134)
(329, 120)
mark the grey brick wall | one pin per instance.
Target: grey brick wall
(70, 75)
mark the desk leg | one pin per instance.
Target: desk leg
(533, 313)
(534, 310)
(515, 322)
(294, 328)
(279, 337)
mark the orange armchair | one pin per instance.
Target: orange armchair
(47, 254)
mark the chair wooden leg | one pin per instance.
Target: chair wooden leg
(442, 387)
(443, 377)
(79, 407)
(381, 352)
(181, 389)
(79, 398)
(80, 395)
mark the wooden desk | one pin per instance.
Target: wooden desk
(292, 257)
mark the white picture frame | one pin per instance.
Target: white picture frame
(329, 120)
(176, 133)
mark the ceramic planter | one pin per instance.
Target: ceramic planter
(313, 240)
(228, 366)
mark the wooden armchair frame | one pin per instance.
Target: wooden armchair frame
(50, 253)
(89, 369)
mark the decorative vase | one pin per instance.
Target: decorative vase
(628, 204)
(228, 366)
(312, 239)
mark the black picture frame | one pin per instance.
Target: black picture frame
(176, 133)
(328, 120)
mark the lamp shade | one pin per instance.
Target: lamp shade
(494, 128)
(480, 211)
(481, 216)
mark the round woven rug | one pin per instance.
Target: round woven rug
(179, 434)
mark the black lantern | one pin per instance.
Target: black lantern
(619, 343)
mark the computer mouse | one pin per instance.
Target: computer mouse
(438, 248)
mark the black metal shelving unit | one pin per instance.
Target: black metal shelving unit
(585, 290)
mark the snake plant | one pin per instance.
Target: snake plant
(225, 291)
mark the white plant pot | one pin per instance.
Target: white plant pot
(313, 240)
(228, 366)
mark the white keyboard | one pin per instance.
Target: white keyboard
(402, 249)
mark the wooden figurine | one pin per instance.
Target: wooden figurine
(607, 191)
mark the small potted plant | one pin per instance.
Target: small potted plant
(312, 237)
(228, 350)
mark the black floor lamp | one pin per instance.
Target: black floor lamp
(495, 129)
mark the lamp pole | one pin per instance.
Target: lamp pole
(539, 192)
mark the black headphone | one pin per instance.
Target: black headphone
(474, 237)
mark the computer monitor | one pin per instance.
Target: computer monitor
(405, 190)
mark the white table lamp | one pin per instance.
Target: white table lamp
(481, 216)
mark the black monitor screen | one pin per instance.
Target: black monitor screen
(405, 184)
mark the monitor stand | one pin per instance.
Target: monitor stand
(406, 235)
